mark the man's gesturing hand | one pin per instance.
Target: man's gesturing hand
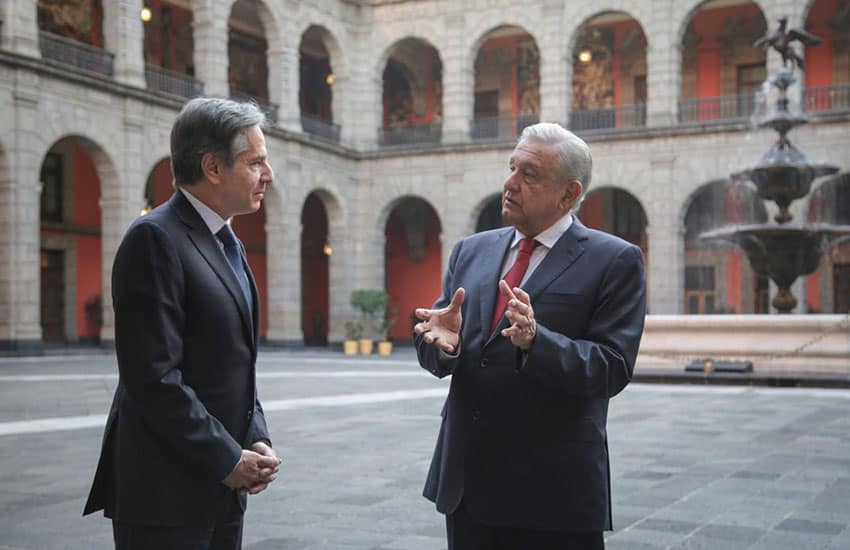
(441, 327)
(519, 312)
(254, 471)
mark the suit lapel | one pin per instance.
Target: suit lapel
(255, 296)
(491, 269)
(566, 251)
(208, 246)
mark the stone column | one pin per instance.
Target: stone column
(283, 85)
(124, 37)
(121, 200)
(665, 269)
(338, 268)
(210, 36)
(664, 68)
(365, 89)
(555, 69)
(458, 83)
(283, 257)
(20, 27)
(20, 316)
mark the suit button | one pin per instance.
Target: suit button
(484, 362)
(476, 414)
(250, 414)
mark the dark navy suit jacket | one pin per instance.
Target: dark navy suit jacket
(525, 445)
(186, 402)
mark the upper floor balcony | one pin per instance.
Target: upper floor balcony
(78, 54)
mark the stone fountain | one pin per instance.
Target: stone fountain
(782, 251)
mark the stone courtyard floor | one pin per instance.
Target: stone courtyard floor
(708, 467)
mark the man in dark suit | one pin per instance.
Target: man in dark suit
(539, 325)
(186, 438)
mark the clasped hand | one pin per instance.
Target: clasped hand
(255, 470)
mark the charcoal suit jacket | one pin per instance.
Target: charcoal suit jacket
(523, 439)
(186, 402)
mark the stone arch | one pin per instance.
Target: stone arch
(500, 51)
(582, 13)
(683, 12)
(411, 93)
(76, 173)
(269, 21)
(389, 47)
(490, 22)
(631, 225)
(717, 276)
(479, 212)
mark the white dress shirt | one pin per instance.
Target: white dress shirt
(547, 239)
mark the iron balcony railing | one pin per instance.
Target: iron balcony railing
(270, 109)
(827, 99)
(412, 134)
(716, 109)
(610, 119)
(170, 82)
(320, 128)
(500, 127)
(72, 52)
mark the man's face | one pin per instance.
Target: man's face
(244, 184)
(535, 195)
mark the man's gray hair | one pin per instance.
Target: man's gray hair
(574, 157)
(210, 125)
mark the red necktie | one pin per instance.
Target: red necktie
(513, 277)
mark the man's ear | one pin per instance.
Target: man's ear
(572, 192)
(211, 166)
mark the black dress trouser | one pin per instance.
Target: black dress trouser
(465, 533)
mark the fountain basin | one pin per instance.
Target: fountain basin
(782, 252)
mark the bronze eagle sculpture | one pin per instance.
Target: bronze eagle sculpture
(781, 39)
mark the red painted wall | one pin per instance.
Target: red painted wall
(163, 180)
(411, 284)
(708, 24)
(591, 211)
(819, 58)
(314, 269)
(86, 214)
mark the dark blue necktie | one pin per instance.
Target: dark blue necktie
(234, 256)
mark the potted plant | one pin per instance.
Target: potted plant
(385, 347)
(353, 333)
(372, 305)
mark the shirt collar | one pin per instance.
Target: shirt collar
(210, 217)
(549, 236)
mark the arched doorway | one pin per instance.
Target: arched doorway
(159, 186)
(718, 277)
(315, 272)
(721, 71)
(70, 242)
(507, 84)
(412, 96)
(617, 212)
(412, 261)
(247, 48)
(490, 216)
(316, 89)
